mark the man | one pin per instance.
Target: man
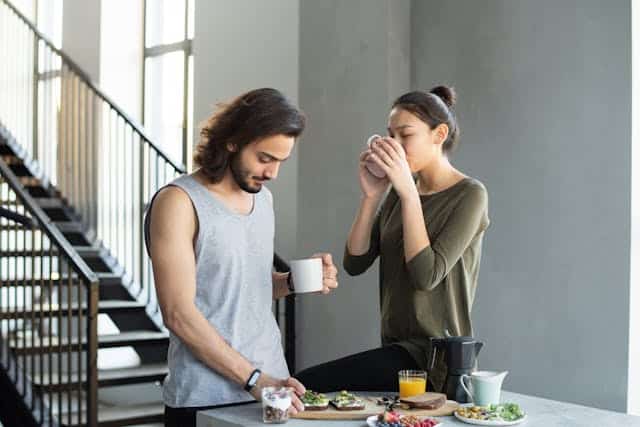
(210, 236)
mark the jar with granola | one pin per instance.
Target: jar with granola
(275, 404)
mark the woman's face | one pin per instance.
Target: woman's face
(422, 144)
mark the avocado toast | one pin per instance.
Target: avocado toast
(314, 401)
(345, 401)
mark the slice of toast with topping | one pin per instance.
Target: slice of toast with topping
(314, 401)
(345, 401)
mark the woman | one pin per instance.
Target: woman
(428, 234)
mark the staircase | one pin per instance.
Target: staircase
(81, 331)
(137, 330)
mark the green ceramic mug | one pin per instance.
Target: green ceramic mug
(485, 387)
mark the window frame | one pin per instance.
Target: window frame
(186, 46)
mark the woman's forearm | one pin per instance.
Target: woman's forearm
(360, 234)
(414, 229)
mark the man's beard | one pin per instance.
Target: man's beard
(242, 176)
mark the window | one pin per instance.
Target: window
(46, 15)
(168, 76)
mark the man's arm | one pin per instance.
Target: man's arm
(173, 230)
(280, 287)
(329, 278)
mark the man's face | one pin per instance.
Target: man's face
(260, 161)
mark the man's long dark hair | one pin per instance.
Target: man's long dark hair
(250, 117)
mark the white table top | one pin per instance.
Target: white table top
(540, 412)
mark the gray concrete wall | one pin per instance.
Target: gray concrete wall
(354, 58)
(244, 45)
(81, 34)
(545, 109)
(633, 399)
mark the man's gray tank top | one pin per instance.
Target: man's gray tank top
(234, 291)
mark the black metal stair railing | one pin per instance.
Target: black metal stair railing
(42, 279)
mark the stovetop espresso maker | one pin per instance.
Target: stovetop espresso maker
(461, 354)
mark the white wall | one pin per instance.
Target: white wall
(545, 112)
(244, 45)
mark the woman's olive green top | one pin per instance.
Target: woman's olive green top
(434, 291)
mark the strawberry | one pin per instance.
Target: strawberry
(390, 417)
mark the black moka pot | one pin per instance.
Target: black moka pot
(461, 354)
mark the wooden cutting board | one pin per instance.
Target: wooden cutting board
(371, 408)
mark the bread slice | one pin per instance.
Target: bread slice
(359, 406)
(316, 407)
(314, 401)
(427, 400)
(345, 401)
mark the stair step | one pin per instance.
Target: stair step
(105, 278)
(97, 264)
(58, 214)
(49, 202)
(108, 291)
(123, 339)
(20, 169)
(117, 416)
(9, 158)
(55, 208)
(38, 191)
(106, 377)
(107, 306)
(29, 180)
(69, 226)
(89, 251)
(5, 150)
(109, 278)
(85, 251)
(76, 238)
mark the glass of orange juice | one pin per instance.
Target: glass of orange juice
(412, 383)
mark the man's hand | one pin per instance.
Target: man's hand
(329, 272)
(267, 381)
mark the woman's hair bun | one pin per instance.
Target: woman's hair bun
(446, 93)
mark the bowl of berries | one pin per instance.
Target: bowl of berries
(393, 419)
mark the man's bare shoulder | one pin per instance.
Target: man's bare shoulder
(172, 208)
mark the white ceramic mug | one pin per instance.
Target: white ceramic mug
(371, 166)
(306, 275)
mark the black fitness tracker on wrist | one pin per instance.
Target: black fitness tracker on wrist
(253, 379)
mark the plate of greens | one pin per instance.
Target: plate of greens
(504, 414)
